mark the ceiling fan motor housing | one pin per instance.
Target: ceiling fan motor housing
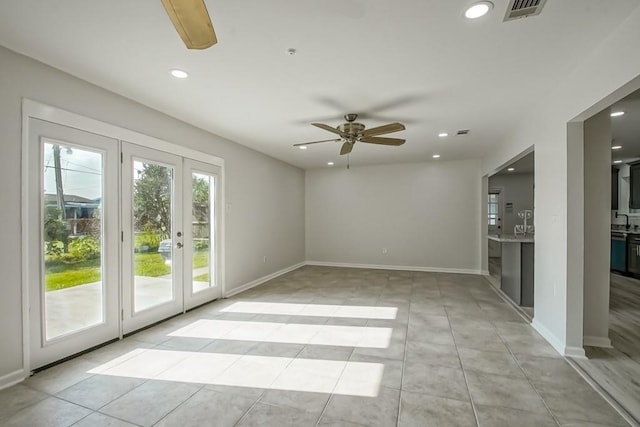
(352, 129)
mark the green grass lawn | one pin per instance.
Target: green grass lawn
(60, 276)
(201, 258)
(150, 264)
(202, 278)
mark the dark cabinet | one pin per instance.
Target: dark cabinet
(614, 188)
(634, 185)
(633, 256)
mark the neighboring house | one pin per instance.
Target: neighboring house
(80, 212)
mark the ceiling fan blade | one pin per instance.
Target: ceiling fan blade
(346, 148)
(192, 22)
(316, 142)
(330, 129)
(382, 141)
(380, 130)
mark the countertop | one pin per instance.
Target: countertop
(512, 238)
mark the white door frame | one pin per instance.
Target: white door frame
(38, 110)
(49, 349)
(192, 299)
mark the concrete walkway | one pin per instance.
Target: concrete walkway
(81, 306)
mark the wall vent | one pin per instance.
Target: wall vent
(523, 8)
(463, 132)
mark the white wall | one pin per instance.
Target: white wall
(517, 189)
(265, 196)
(597, 226)
(595, 84)
(427, 215)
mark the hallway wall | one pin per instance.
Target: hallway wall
(596, 83)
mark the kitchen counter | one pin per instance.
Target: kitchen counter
(528, 238)
(516, 269)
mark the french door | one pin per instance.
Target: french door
(169, 235)
(120, 236)
(73, 241)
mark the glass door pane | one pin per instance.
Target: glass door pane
(202, 280)
(202, 187)
(73, 236)
(152, 242)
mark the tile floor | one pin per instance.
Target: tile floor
(323, 347)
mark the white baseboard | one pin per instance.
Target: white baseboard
(261, 280)
(485, 272)
(12, 378)
(603, 342)
(395, 267)
(575, 352)
(549, 336)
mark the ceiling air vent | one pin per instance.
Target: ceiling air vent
(523, 8)
(463, 132)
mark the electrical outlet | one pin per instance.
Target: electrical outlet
(384, 251)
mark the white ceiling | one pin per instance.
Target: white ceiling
(626, 128)
(415, 61)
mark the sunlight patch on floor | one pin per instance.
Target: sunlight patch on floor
(277, 373)
(289, 333)
(322, 310)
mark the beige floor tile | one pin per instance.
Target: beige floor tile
(493, 416)
(150, 402)
(206, 407)
(262, 415)
(50, 412)
(421, 410)
(514, 393)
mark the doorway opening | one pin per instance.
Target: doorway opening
(510, 231)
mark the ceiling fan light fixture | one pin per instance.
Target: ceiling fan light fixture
(443, 134)
(616, 147)
(330, 163)
(511, 169)
(478, 9)
(303, 147)
(617, 114)
(179, 74)
(436, 156)
(617, 162)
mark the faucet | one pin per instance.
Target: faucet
(627, 226)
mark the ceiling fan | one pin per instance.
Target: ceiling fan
(192, 22)
(352, 132)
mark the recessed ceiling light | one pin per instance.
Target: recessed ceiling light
(179, 74)
(303, 147)
(329, 163)
(436, 156)
(617, 161)
(510, 169)
(617, 113)
(616, 147)
(443, 134)
(478, 9)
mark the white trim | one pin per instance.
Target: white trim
(60, 116)
(263, 279)
(485, 272)
(603, 342)
(13, 378)
(24, 224)
(395, 267)
(549, 336)
(575, 352)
